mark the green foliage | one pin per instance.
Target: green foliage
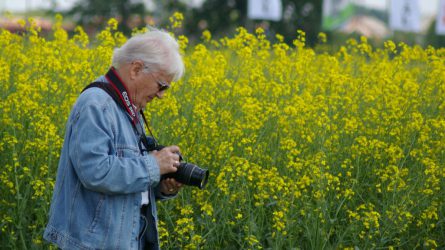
(222, 17)
(434, 39)
(95, 13)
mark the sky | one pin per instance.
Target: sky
(23, 5)
(427, 7)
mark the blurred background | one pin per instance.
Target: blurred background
(410, 21)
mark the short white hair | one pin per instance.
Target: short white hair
(156, 48)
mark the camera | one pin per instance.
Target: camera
(187, 173)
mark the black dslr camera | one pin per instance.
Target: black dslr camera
(188, 174)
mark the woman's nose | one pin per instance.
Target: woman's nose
(160, 94)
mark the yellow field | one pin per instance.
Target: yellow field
(306, 149)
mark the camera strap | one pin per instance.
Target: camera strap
(119, 86)
(117, 90)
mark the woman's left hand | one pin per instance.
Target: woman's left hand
(170, 186)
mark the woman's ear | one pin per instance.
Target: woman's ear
(136, 68)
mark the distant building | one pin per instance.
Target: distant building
(12, 24)
(367, 26)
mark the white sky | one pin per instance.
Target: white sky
(427, 7)
(23, 5)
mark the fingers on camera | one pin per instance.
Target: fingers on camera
(174, 149)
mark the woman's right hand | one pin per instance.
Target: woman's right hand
(168, 159)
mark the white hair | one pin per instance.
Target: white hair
(156, 48)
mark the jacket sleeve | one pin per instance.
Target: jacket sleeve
(95, 159)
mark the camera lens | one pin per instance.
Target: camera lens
(198, 176)
(190, 174)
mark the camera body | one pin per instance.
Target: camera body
(187, 173)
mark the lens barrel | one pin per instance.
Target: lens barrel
(190, 174)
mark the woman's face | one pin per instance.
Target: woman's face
(147, 86)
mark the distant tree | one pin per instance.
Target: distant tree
(434, 39)
(218, 16)
(95, 13)
(300, 15)
(223, 16)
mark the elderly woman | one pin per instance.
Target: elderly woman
(107, 182)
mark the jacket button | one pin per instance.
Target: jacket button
(54, 236)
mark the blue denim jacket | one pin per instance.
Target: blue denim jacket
(101, 174)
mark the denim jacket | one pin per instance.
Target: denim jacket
(101, 174)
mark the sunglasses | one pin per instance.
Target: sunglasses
(162, 85)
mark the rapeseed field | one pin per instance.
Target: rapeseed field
(306, 149)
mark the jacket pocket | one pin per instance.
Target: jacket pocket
(98, 214)
(127, 151)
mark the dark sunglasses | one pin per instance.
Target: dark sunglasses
(162, 85)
